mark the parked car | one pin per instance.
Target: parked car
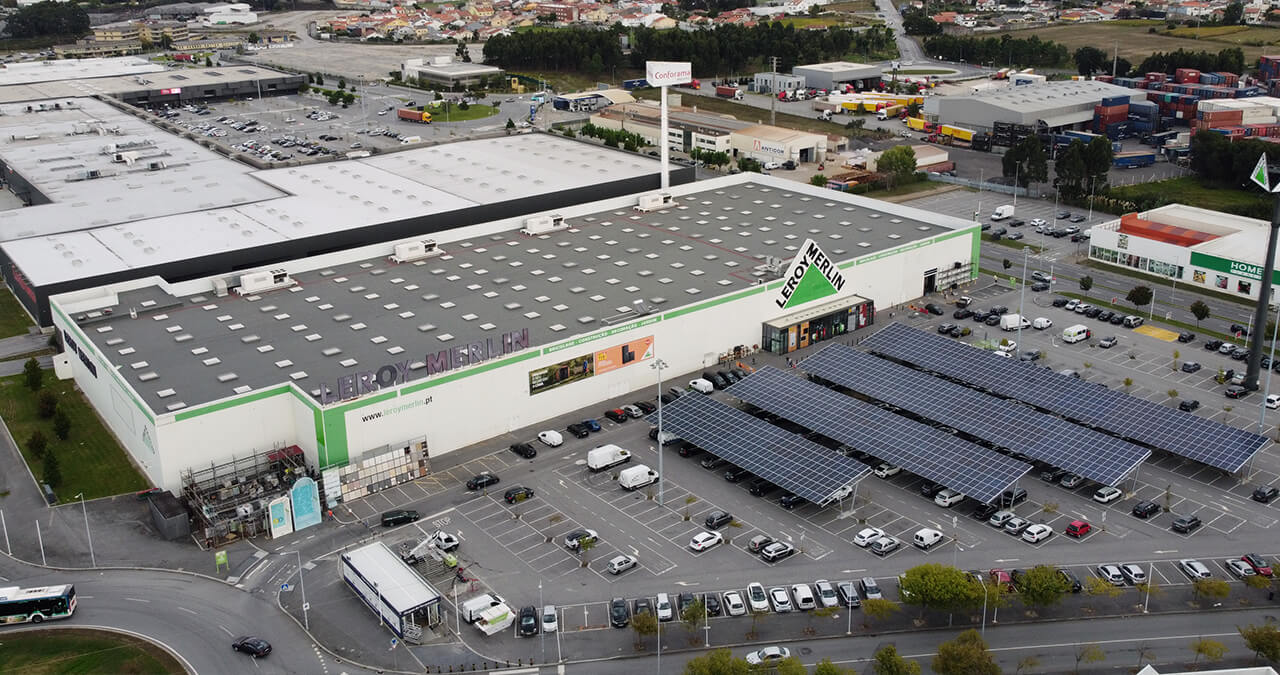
(779, 600)
(1111, 574)
(1145, 509)
(1016, 525)
(482, 480)
(518, 494)
(1186, 524)
(578, 430)
(619, 613)
(1239, 568)
(757, 598)
(717, 519)
(769, 655)
(525, 450)
(777, 551)
(1078, 528)
(1071, 481)
(528, 621)
(550, 619)
(1259, 564)
(1133, 573)
(1213, 345)
(399, 517)
(887, 470)
(1036, 533)
(617, 415)
(934, 309)
(733, 604)
(867, 535)
(1107, 342)
(1186, 337)
(1190, 366)
(706, 540)
(1265, 494)
(1194, 569)
(885, 545)
(1189, 405)
(573, 540)
(1236, 391)
(621, 563)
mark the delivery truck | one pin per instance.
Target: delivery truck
(636, 477)
(1134, 160)
(889, 111)
(1002, 212)
(606, 457)
(729, 92)
(414, 115)
(1013, 322)
(495, 619)
(919, 124)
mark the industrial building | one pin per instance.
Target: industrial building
(1199, 247)
(137, 81)
(772, 83)
(833, 75)
(444, 71)
(1050, 106)
(589, 101)
(364, 358)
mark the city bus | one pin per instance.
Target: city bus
(20, 605)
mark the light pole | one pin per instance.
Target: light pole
(92, 559)
(984, 608)
(706, 621)
(1022, 293)
(658, 364)
(302, 586)
(1266, 391)
(542, 634)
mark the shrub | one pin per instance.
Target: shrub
(46, 404)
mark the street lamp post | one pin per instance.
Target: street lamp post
(984, 609)
(302, 586)
(1022, 294)
(658, 364)
(92, 559)
(542, 634)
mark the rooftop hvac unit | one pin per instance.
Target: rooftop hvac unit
(260, 282)
(127, 158)
(416, 250)
(654, 202)
(543, 224)
(155, 166)
(220, 288)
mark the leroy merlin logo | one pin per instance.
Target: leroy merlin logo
(812, 276)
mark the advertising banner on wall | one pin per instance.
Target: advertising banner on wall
(305, 499)
(281, 517)
(596, 363)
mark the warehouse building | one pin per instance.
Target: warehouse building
(589, 101)
(1052, 105)
(138, 201)
(366, 358)
(833, 75)
(444, 71)
(772, 83)
(1199, 247)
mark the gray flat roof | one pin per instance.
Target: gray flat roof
(53, 149)
(30, 72)
(1049, 96)
(399, 585)
(296, 202)
(70, 86)
(364, 313)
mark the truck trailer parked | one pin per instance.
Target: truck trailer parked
(414, 115)
(729, 92)
(1134, 160)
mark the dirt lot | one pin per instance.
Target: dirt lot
(1136, 43)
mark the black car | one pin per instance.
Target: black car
(1060, 302)
(1053, 474)
(791, 501)
(518, 494)
(688, 449)
(1186, 337)
(930, 489)
(619, 613)
(1093, 313)
(253, 646)
(578, 430)
(980, 315)
(712, 602)
(1029, 355)
(1071, 580)
(617, 415)
(528, 621)
(1186, 524)
(713, 462)
(1116, 320)
(999, 232)
(1039, 286)
(993, 320)
(1239, 354)
(985, 511)
(646, 406)
(683, 601)
(761, 487)
(728, 377)
(1145, 509)
(1013, 497)
(719, 381)
(1189, 405)
(399, 517)
(1236, 391)
(1106, 316)
(1017, 223)
(527, 451)
(999, 310)
(1265, 494)
(482, 480)
(933, 309)
(643, 606)
(1064, 214)
(718, 519)
(1243, 331)
(1190, 366)
(736, 474)
(962, 313)
(1213, 345)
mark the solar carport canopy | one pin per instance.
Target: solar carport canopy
(1203, 440)
(1091, 454)
(787, 460)
(921, 449)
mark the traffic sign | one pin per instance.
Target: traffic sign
(1259, 174)
(286, 588)
(306, 606)
(394, 642)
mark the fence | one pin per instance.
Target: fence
(984, 186)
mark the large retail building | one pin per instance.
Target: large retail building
(367, 359)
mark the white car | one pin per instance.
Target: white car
(549, 622)
(826, 593)
(772, 165)
(1106, 495)
(551, 438)
(621, 564)
(1194, 569)
(779, 599)
(868, 535)
(768, 656)
(1000, 518)
(1112, 574)
(1273, 401)
(1003, 355)
(706, 540)
(886, 470)
(1133, 573)
(885, 545)
(803, 596)
(663, 607)
(1071, 305)
(1007, 346)
(1036, 533)
(1042, 323)
(733, 604)
(1239, 568)
(948, 498)
(757, 598)
(1037, 222)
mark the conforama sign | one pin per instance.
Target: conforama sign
(667, 73)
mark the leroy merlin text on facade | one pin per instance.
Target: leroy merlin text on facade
(812, 256)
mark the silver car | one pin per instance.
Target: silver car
(1194, 569)
(1112, 574)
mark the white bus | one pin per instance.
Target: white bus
(20, 605)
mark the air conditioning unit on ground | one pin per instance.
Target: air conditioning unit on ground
(543, 224)
(416, 250)
(260, 282)
(220, 288)
(654, 202)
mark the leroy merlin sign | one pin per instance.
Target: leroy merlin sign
(812, 276)
(1232, 267)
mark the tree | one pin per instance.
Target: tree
(916, 22)
(1210, 589)
(1026, 663)
(790, 666)
(208, 62)
(1090, 60)
(965, 655)
(1086, 282)
(1027, 162)
(319, 79)
(717, 662)
(1069, 170)
(46, 404)
(61, 425)
(1233, 14)
(1042, 586)
(1090, 653)
(1101, 588)
(693, 616)
(1139, 295)
(1200, 310)
(939, 587)
(747, 164)
(37, 443)
(48, 19)
(1006, 263)
(826, 667)
(342, 83)
(348, 98)
(878, 608)
(510, 124)
(756, 616)
(644, 624)
(32, 374)
(889, 662)
(1258, 582)
(585, 545)
(1098, 156)
(1211, 650)
(1264, 640)
(897, 163)
(52, 472)
(304, 88)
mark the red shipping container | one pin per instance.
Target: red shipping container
(1157, 77)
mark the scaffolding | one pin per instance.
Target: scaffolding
(229, 500)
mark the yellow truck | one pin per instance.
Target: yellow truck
(919, 124)
(956, 132)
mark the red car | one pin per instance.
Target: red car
(1078, 528)
(1258, 563)
(1002, 577)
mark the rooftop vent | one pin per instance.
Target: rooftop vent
(259, 282)
(416, 250)
(543, 225)
(654, 202)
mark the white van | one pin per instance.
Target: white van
(664, 608)
(701, 385)
(803, 596)
(927, 537)
(1076, 333)
(551, 438)
(636, 477)
(409, 140)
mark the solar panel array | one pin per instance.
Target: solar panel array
(1091, 454)
(787, 460)
(1197, 438)
(921, 449)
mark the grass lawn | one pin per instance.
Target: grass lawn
(1189, 190)
(13, 318)
(1135, 43)
(909, 188)
(475, 111)
(853, 6)
(57, 652)
(90, 459)
(811, 21)
(575, 81)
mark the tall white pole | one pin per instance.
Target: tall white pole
(302, 586)
(1022, 294)
(92, 559)
(8, 549)
(40, 539)
(664, 150)
(658, 364)
(706, 620)
(1262, 409)
(542, 634)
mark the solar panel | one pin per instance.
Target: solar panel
(1203, 440)
(787, 460)
(921, 449)
(1091, 454)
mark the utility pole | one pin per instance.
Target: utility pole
(773, 95)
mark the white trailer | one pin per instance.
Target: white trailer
(399, 596)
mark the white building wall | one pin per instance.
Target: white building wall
(241, 431)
